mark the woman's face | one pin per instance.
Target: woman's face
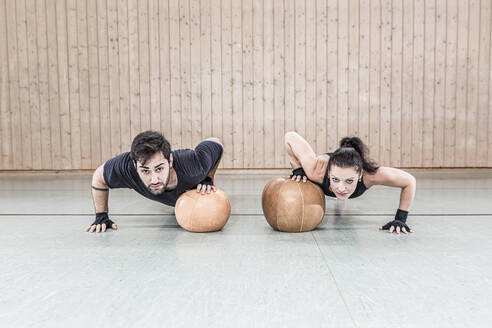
(343, 181)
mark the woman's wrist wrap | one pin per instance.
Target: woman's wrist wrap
(401, 215)
(298, 171)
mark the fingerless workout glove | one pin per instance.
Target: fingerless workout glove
(103, 218)
(207, 181)
(399, 221)
(298, 171)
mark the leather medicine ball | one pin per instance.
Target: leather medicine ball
(292, 206)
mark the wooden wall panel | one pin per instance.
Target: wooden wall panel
(80, 78)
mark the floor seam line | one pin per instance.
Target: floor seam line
(334, 280)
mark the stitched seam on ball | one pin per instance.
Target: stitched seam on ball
(276, 204)
(193, 211)
(302, 202)
(215, 213)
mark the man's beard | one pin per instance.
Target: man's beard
(164, 185)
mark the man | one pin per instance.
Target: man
(156, 172)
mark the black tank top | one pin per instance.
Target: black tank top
(359, 190)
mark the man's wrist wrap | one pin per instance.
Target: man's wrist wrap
(401, 215)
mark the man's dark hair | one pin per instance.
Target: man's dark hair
(146, 144)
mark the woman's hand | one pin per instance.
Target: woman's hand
(299, 174)
(398, 224)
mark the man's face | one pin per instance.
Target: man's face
(155, 173)
(343, 181)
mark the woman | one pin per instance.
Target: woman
(348, 173)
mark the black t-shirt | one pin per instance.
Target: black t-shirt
(191, 166)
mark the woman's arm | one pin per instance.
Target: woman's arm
(391, 177)
(301, 154)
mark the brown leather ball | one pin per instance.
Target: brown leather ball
(202, 213)
(292, 206)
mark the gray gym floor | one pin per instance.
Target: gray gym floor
(151, 273)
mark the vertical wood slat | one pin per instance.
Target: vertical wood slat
(439, 84)
(74, 83)
(490, 102)
(63, 84)
(33, 86)
(94, 94)
(364, 73)
(332, 76)
(258, 32)
(175, 63)
(375, 79)
(418, 82)
(13, 85)
(165, 69)
(247, 109)
(5, 134)
(451, 78)
(44, 110)
(321, 76)
(124, 74)
(353, 68)
(385, 91)
(53, 86)
(144, 64)
(134, 70)
(279, 81)
(227, 83)
(114, 80)
(237, 85)
(407, 85)
(205, 69)
(195, 73)
(25, 107)
(300, 66)
(154, 58)
(429, 86)
(217, 109)
(472, 84)
(104, 82)
(484, 80)
(185, 72)
(289, 71)
(84, 95)
(462, 77)
(269, 139)
(343, 70)
(311, 61)
(81, 78)
(396, 82)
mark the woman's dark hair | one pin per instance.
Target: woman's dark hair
(353, 153)
(146, 144)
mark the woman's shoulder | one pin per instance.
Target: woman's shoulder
(372, 178)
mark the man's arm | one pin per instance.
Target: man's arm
(100, 195)
(212, 172)
(207, 185)
(100, 190)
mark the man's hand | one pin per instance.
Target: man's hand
(101, 223)
(206, 186)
